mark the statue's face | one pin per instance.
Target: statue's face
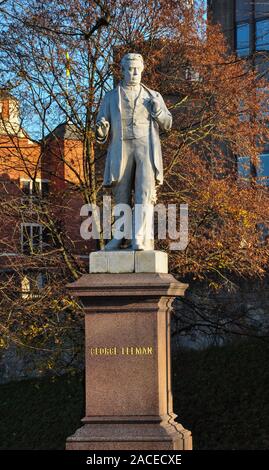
(132, 71)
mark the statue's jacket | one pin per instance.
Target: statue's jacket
(111, 111)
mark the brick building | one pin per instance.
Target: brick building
(30, 171)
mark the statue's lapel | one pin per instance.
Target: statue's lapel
(151, 92)
(118, 99)
(118, 108)
(139, 98)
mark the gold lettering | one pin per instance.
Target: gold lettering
(98, 351)
(123, 350)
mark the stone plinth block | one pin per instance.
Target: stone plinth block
(127, 356)
(151, 262)
(124, 261)
(112, 262)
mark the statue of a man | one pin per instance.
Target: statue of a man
(132, 115)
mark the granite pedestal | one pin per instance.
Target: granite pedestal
(128, 372)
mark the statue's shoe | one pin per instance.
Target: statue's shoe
(113, 245)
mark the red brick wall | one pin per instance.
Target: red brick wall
(58, 160)
(19, 159)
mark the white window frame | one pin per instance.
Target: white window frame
(29, 224)
(32, 181)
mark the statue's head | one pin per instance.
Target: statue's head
(132, 67)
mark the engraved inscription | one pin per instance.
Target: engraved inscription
(122, 351)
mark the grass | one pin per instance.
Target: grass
(40, 414)
(221, 395)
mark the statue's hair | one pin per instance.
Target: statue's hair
(131, 56)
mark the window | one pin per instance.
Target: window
(31, 238)
(191, 74)
(262, 65)
(243, 9)
(263, 170)
(25, 287)
(263, 232)
(243, 112)
(265, 104)
(33, 191)
(243, 165)
(242, 39)
(262, 35)
(44, 188)
(26, 187)
(34, 238)
(261, 8)
(31, 284)
(47, 239)
(36, 187)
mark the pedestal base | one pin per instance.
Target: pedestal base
(128, 379)
(131, 436)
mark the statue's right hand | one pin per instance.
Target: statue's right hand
(102, 128)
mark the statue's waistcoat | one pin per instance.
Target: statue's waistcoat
(135, 114)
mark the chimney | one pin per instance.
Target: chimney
(9, 113)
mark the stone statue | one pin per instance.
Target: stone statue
(131, 115)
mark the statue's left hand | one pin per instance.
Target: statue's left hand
(155, 105)
(102, 128)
